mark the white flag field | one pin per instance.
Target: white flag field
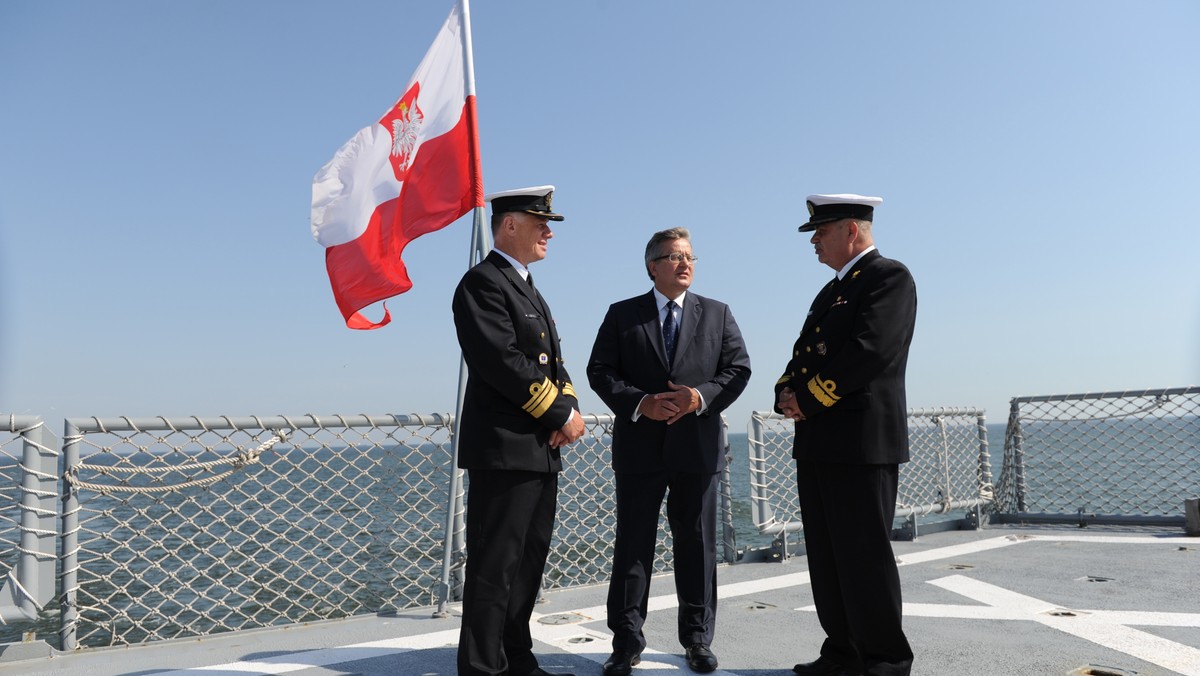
(414, 171)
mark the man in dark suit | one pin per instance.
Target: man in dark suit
(844, 387)
(667, 363)
(519, 408)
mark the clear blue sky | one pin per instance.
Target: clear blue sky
(1038, 162)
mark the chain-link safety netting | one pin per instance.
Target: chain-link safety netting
(949, 470)
(191, 526)
(181, 527)
(585, 530)
(1114, 453)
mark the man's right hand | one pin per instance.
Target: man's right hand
(569, 433)
(657, 409)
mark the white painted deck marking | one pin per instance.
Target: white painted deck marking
(1108, 628)
(1103, 627)
(297, 661)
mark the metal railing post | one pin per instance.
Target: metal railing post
(755, 443)
(451, 540)
(30, 584)
(69, 575)
(39, 488)
(728, 533)
(1013, 440)
(986, 487)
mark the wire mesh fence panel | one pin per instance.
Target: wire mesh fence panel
(586, 523)
(949, 467)
(581, 551)
(194, 526)
(1126, 453)
(776, 506)
(186, 527)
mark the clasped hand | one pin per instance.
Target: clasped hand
(787, 403)
(670, 406)
(569, 433)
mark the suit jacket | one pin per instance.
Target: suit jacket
(518, 390)
(629, 361)
(848, 366)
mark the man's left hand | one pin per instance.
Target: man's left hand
(683, 397)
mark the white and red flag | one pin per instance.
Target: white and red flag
(414, 171)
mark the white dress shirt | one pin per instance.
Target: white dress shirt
(661, 302)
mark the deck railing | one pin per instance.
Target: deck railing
(191, 526)
(28, 516)
(950, 469)
(1128, 457)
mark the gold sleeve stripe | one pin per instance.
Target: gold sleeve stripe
(568, 390)
(544, 394)
(786, 377)
(824, 391)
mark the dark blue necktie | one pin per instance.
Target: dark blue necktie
(670, 331)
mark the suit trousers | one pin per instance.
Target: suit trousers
(510, 519)
(692, 516)
(848, 511)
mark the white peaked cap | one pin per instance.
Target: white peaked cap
(830, 208)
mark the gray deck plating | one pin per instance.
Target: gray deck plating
(1002, 600)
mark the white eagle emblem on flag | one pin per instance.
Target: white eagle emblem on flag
(406, 129)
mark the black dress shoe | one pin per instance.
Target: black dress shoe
(621, 662)
(823, 666)
(700, 659)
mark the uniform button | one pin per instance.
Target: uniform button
(807, 349)
(542, 335)
(796, 353)
(818, 329)
(803, 371)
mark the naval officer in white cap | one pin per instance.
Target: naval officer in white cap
(844, 388)
(518, 410)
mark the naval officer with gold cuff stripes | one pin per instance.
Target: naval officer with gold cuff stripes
(519, 409)
(844, 387)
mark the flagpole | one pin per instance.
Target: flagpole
(481, 244)
(481, 237)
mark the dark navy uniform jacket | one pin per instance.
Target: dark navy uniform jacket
(518, 390)
(629, 361)
(848, 366)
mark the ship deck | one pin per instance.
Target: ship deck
(999, 600)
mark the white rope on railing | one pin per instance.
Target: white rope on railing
(22, 591)
(238, 462)
(28, 439)
(987, 491)
(1159, 401)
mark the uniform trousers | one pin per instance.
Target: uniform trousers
(692, 516)
(510, 519)
(848, 511)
